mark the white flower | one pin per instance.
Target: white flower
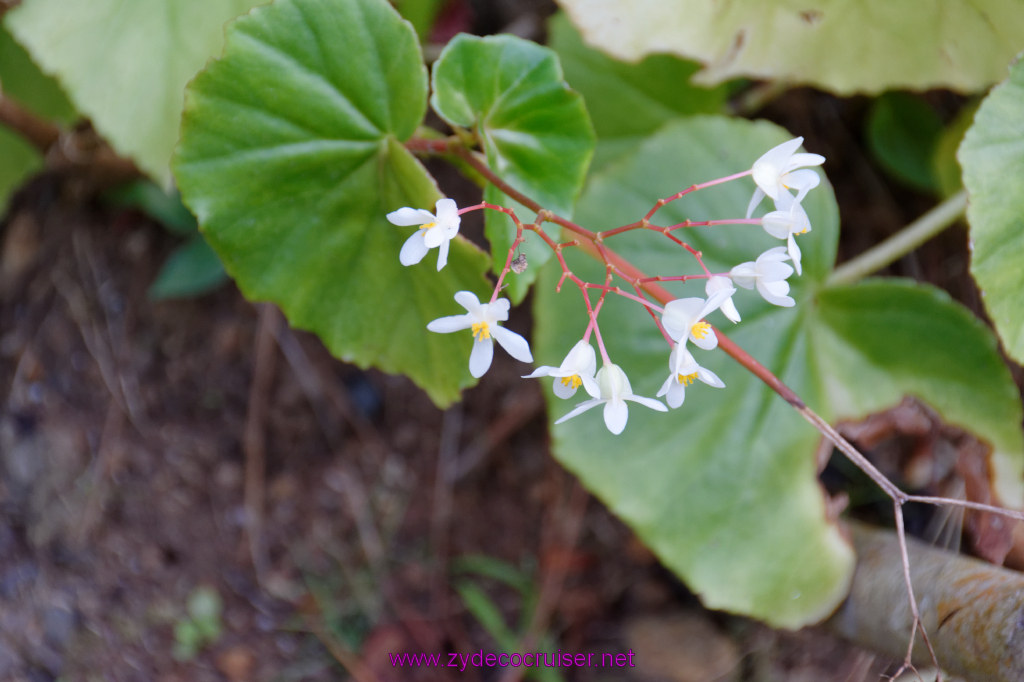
(684, 318)
(776, 172)
(577, 369)
(435, 230)
(614, 392)
(683, 371)
(768, 274)
(785, 222)
(483, 319)
(718, 283)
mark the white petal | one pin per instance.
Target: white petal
(514, 344)
(775, 293)
(665, 385)
(442, 255)
(413, 250)
(778, 224)
(779, 155)
(480, 358)
(803, 159)
(775, 253)
(590, 385)
(709, 377)
(680, 315)
(709, 341)
(754, 201)
(648, 402)
(794, 253)
(767, 179)
(616, 413)
(448, 211)
(433, 237)
(469, 301)
(410, 216)
(581, 359)
(715, 301)
(775, 271)
(674, 392)
(802, 180)
(580, 409)
(499, 309)
(542, 371)
(728, 309)
(562, 389)
(744, 275)
(451, 323)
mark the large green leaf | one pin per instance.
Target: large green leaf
(628, 101)
(724, 489)
(845, 47)
(125, 64)
(992, 156)
(534, 129)
(291, 156)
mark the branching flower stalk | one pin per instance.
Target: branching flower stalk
(779, 170)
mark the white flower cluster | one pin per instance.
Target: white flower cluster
(778, 171)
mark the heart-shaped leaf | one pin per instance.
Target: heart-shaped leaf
(845, 47)
(125, 64)
(291, 157)
(534, 129)
(724, 489)
(992, 156)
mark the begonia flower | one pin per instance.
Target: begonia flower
(614, 392)
(683, 318)
(483, 319)
(718, 283)
(683, 371)
(785, 222)
(768, 274)
(777, 172)
(576, 370)
(435, 231)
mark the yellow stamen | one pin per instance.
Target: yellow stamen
(427, 226)
(572, 382)
(481, 331)
(686, 379)
(803, 231)
(700, 330)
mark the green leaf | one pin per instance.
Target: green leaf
(903, 133)
(165, 208)
(291, 157)
(421, 14)
(628, 101)
(992, 156)
(947, 169)
(870, 350)
(724, 489)
(125, 64)
(534, 130)
(191, 270)
(846, 47)
(18, 160)
(487, 614)
(23, 81)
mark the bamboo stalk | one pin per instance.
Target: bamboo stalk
(972, 610)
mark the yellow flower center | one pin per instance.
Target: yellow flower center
(427, 226)
(686, 379)
(700, 330)
(481, 331)
(572, 382)
(803, 231)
